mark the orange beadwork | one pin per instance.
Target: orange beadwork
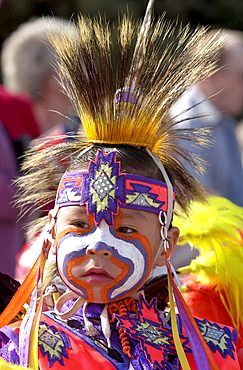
(121, 307)
(130, 304)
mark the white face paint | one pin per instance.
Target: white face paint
(105, 263)
(130, 255)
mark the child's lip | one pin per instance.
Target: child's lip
(97, 271)
(97, 276)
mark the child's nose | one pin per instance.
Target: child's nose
(100, 248)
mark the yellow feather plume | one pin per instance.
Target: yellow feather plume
(214, 228)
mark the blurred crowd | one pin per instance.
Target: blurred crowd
(32, 106)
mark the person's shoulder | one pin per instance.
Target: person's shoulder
(11, 99)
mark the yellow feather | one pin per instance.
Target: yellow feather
(214, 229)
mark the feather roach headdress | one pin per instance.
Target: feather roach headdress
(122, 87)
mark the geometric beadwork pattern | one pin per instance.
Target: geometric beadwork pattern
(103, 189)
(53, 343)
(217, 337)
(154, 336)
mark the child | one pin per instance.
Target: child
(111, 226)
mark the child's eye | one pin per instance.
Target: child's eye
(125, 230)
(80, 224)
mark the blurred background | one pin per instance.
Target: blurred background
(218, 13)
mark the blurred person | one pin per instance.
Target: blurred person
(28, 66)
(16, 115)
(214, 103)
(11, 238)
(17, 127)
(27, 71)
(239, 134)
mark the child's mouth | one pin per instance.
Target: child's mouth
(98, 275)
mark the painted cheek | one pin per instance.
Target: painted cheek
(142, 239)
(72, 253)
(133, 236)
(139, 269)
(68, 230)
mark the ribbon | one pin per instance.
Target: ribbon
(202, 354)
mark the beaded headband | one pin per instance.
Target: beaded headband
(103, 189)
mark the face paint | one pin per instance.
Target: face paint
(101, 267)
(101, 263)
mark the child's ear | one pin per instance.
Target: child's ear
(172, 237)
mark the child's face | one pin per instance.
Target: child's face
(104, 263)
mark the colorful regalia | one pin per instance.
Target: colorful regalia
(65, 344)
(124, 108)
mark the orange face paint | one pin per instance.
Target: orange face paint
(105, 263)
